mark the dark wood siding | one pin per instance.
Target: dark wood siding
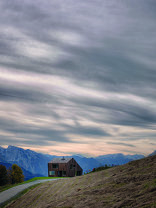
(69, 169)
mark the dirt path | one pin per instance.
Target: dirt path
(8, 194)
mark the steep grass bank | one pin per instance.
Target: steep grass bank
(11, 200)
(130, 185)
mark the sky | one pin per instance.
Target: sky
(78, 77)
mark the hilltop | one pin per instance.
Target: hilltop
(130, 185)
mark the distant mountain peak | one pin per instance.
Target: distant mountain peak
(13, 147)
(2, 148)
(153, 153)
(78, 155)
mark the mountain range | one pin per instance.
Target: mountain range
(35, 164)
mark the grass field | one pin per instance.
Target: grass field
(3, 188)
(40, 178)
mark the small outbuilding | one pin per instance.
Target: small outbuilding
(64, 167)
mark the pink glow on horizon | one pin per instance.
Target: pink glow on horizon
(86, 150)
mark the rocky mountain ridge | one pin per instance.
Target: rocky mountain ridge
(36, 163)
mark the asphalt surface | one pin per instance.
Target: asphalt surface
(8, 194)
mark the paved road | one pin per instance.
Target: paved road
(8, 194)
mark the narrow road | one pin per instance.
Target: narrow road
(8, 194)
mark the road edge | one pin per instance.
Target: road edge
(17, 196)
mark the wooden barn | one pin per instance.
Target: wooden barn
(64, 167)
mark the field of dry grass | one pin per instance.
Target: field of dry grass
(130, 185)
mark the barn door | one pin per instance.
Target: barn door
(60, 173)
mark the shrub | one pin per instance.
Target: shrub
(16, 174)
(100, 168)
(3, 175)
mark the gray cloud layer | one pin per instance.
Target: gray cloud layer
(73, 71)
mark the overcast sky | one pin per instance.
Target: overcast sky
(78, 77)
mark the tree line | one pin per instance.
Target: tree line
(12, 175)
(99, 168)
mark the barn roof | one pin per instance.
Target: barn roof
(60, 160)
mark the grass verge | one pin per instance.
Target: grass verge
(6, 187)
(18, 196)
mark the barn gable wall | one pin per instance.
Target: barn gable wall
(70, 169)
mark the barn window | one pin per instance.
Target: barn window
(55, 165)
(79, 173)
(71, 166)
(51, 172)
(64, 173)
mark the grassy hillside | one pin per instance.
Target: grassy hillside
(130, 185)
